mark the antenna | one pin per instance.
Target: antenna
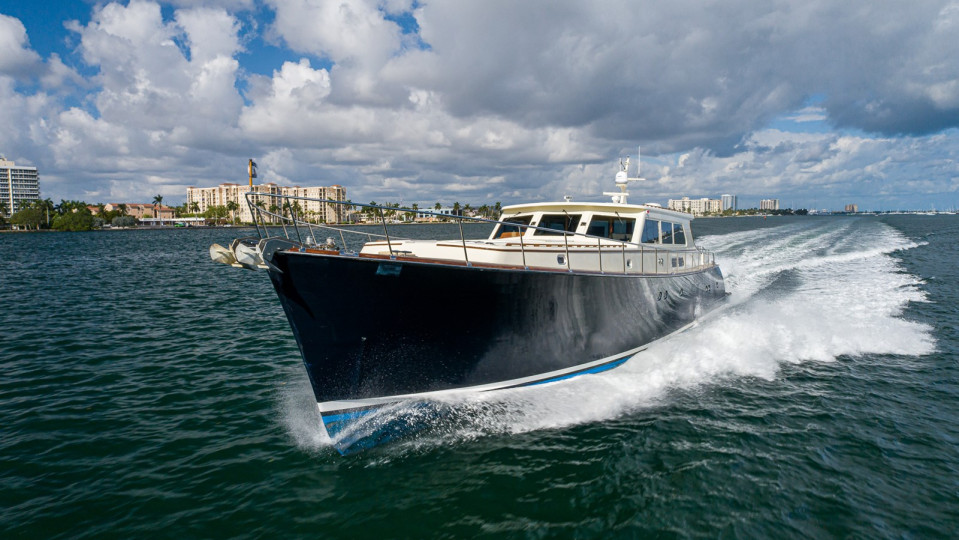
(623, 179)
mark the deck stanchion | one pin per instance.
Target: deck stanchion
(599, 250)
(253, 214)
(295, 227)
(386, 232)
(466, 256)
(624, 257)
(522, 248)
(286, 232)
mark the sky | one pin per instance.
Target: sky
(817, 103)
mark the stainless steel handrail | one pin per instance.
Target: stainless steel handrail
(262, 215)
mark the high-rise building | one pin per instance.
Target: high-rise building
(729, 202)
(852, 208)
(769, 204)
(198, 200)
(19, 186)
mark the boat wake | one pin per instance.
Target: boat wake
(814, 290)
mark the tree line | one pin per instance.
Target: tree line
(68, 215)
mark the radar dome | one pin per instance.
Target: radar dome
(621, 177)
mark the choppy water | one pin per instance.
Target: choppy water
(148, 391)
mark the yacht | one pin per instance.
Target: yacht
(556, 290)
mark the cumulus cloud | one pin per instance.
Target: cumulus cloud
(803, 169)
(399, 99)
(16, 57)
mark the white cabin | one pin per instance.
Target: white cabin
(569, 236)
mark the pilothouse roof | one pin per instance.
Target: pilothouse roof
(603, 207)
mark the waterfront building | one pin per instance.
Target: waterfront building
(729, 202)
(852, 208)
(19, 186)
(140, 211)
(198, 200)
(696, 207)
(769, 204)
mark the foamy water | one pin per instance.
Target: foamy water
(810, 291)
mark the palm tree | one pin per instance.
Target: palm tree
(350, 207)
(45, 206)
(232, 206)
(273, 210)
(157, 201)
(195, 207)
(122, 208)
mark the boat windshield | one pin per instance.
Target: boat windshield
(557, 223)
(613, 227)
(509, 231)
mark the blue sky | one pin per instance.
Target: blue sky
(817, 103)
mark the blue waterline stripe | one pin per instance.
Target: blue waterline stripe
(597, 369)
(353, 414)
(349, 415)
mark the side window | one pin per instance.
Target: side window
(558, 223)
(612, 227)
(667, 236)
(651, 231)
(679, 237)
(508, 231)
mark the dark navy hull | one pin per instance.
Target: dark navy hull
(370, 328)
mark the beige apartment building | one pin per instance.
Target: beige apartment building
(696, 207)
(137, 210)
(310, 210)
(769, 204)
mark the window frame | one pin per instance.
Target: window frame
(572, 221)
(522, 222)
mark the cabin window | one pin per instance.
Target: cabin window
(667, 232)
(612, 227)
(673, 233)
(651, 231)
(679, 236)
(557, 223)
(504, 230)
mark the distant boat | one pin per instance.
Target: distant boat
(557, 290)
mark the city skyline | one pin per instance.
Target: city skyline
(816, 104)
